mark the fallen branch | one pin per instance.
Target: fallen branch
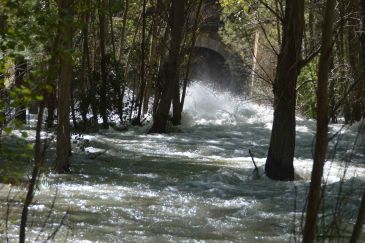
(256, 170)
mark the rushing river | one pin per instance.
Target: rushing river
(193, 185)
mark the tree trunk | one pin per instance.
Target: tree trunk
(143, 65)
(170, 81)
(152, 60)
(38, 159)
(320, 150)
(362, 40)
(85, 70)
(254, 61)
(361, 214)
(279, 163)
(64, 85)
(20, 69)
(124, 27)
(354, 60)
(103, 87)
(177, 115)
(51, 96)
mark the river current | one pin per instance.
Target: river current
(195, 184)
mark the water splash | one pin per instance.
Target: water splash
(206, 106)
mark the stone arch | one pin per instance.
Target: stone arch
(238, 76)
(210, 66)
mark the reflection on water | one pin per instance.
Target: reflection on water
(195, 185)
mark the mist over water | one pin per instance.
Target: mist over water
(192, 185)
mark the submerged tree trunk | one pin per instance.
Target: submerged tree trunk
(64, 85)
(320, 150)
(279, 163)
(170, 81)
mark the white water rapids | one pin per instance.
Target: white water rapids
(195, 185)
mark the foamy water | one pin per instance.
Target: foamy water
(194, 185)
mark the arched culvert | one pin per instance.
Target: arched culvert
(210, 67)
(237, 77)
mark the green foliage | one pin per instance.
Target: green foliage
(306, 90)
(27, 29)
(15, 156)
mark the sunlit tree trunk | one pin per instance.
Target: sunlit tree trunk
(279, 163)
(320, 150)
(64, 84)
(170, 81)
(254, 60)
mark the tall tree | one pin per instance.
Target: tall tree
(170, 81)
(279, 163)
(103, 87)
(143, 65)
(361, 213)
(314, 196)
(64, 86)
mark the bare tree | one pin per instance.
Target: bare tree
(314, 196)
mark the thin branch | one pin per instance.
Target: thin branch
(277, 15)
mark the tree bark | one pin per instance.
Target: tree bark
(170, 81)
(320, 151)
(64, 84)
(279, 163)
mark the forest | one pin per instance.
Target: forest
(182, 120)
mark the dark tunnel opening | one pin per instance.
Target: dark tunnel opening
(210, 67)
